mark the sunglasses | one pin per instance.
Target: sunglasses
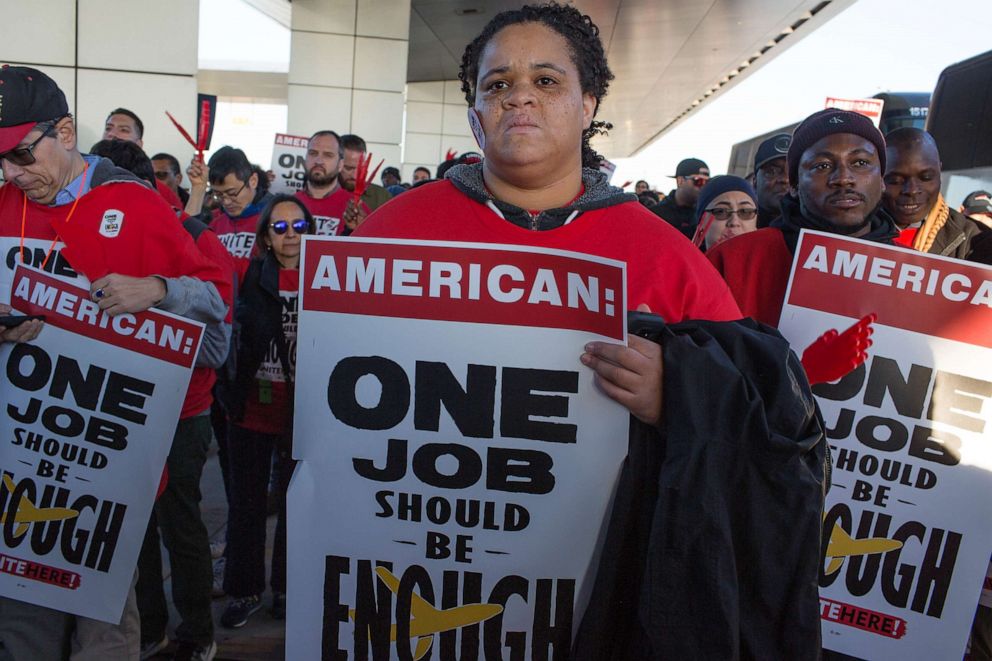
(300, 226)
(25, 155)
(698, 182)
(723, 213)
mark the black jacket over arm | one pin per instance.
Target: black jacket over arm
(713, 548)
(258, 321)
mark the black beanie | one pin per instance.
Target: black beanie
(717, 186)
(827, 122)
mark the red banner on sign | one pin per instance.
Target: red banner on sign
(862, 618)
(37, 571)
(943, 297)
(473, 284)
(70, 308)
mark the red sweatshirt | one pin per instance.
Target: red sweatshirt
(144, 238)
(756, 267)
(200, 394)
(238, 236)
(664, 270)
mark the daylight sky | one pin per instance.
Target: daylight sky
(873, 46)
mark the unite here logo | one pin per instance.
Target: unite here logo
(112, 222)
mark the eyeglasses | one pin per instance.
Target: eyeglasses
(25, 155)
(723, 213)
(227, 195)
(300, 226)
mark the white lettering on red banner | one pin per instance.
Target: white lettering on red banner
(154, 333)
(896, 283)
(438, 282)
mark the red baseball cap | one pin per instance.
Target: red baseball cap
(27, 96)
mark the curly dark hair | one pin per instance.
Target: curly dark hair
(586, 49)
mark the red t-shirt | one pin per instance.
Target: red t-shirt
(327, 211)
(664, 270)
(238, 236)
(267, 408)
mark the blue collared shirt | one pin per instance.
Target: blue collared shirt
(77, 186)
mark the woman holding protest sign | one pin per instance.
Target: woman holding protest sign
(534, 79)
(261, 406)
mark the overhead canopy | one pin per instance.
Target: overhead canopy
(669, 56)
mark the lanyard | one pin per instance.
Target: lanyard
(72, 210)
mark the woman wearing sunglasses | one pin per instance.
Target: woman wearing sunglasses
(261, 407)
(727, 207)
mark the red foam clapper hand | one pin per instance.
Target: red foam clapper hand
(362, 176)
(833, 354)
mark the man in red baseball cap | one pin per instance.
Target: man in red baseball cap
(53, 215)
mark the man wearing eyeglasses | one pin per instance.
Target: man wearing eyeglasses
(235, 184)
(678, 208)
(835, 165)
(81, 219)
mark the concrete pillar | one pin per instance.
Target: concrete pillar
(141, 55)
(435, 123)
(347, 70)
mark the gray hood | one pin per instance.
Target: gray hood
(598, 194)
(105, 172)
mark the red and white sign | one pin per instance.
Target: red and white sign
(456, 458)
(88, 415)
(907, 517)
(870, 108)
(288, 155)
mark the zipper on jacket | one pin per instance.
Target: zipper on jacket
(533, 219)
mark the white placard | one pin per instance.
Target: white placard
(89, 411)
(908, 517)
(457, 461)
(288, 155)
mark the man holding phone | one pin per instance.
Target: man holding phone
(85, 221)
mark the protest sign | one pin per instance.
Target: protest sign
(456, 459)
(906, 528)
(288, 155)
(870, 108)
(89, 411)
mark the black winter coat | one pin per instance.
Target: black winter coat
(956, 236)
(258, 321)
(713, 547)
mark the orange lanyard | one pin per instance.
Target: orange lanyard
(72, 210)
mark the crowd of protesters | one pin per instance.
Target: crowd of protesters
(234, 254)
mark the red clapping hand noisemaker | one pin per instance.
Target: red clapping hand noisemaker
(834, 354)
(204, 123)
(362, 176)
(702, 228)
(450, 154)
